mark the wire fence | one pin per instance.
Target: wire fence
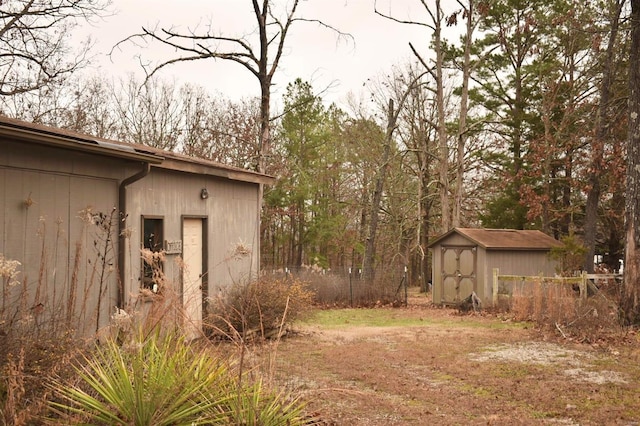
(349, 287)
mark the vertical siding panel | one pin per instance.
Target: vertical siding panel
(52, 236)
(234, 239)
(95, 196)
(17, 234)
(484, 292)
(20, 219)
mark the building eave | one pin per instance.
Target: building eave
(40, 136)
(186, 164)
(35, 134)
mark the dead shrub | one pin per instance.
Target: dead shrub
(595, 319)
(328, 288)
(260, 308)
(558, 306)
(543, 302)
(25, 363)
(521, 304)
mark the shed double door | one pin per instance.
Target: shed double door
(459, 266)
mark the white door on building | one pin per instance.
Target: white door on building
(192, 249)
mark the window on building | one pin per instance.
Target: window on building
(152, 241)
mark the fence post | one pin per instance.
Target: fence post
(495, 286)
(406, 293)
(583, 286)
(350, 288)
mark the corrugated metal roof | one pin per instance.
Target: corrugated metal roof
(496, 239)
(31, 133)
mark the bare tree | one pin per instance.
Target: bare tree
(220, 130)
(450, 216)
(83, 104)
(401, 93)
(92, 109)
(630, 302)
(418, 134)
(151, 114)
(462, 132)
(602, 132)
(260, 57)
(370, 245)
(35, 49)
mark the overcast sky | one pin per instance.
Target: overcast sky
(313, 53)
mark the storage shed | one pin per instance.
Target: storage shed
(464, 259)
(78, 211)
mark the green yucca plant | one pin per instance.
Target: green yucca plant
(256, 406)
(158, 380)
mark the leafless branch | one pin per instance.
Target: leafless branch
(429, 69)
(341, 35)
(35, 41)
(398, 20)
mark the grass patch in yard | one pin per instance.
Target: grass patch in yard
(442, 377)
(387, 317)
(538, 414)
(362, 317)
(479, 391)
(509, 371)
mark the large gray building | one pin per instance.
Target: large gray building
(464, 259)
(76, 212)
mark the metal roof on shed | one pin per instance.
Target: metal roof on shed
(503, 239)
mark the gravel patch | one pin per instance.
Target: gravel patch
(597, 377)
(542, 353)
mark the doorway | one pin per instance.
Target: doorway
(458, 273)
(193, 274)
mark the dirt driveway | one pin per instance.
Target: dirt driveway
(430, 366)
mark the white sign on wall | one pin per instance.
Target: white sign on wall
(173, 247)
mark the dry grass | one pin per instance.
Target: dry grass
(558, 306)
(43, 318)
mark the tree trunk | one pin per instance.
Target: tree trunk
(442, 125)
(547, 172)
(300, 227)
(357, 257)
(265, 131)
(597, 148)
(630, 303)
(462, 126)
(425, 216)
(370, 245)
